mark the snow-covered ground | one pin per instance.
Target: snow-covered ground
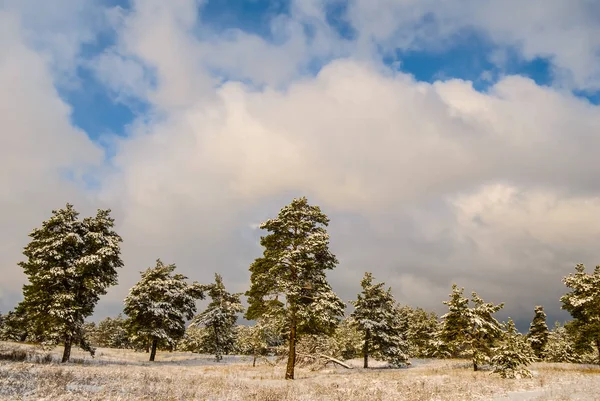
(126, 375)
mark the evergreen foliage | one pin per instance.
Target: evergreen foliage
(14, 327)
(560, 346)
(538, 333)
(110, 333)
(583, 303)
(420, 328)
(158, 306)
(288, 283)
(219, 317)
(348, 340)
(512, 357)
(375, 315)
(470, 332)
(455, 324)
(70, 263)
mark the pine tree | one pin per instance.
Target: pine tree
(15, 326)
(257, 340)
(375, 315)
(288, 282)
(70, 263)
(583, 303)
(159, 304)
(420, 328)
(455, 324)
(219, 318)
(348, 339)
(560, 347)
(110, 333)
(538, 332)
(470, 332)
(513, 356)
(485, 330)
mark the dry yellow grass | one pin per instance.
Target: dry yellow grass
(125, 375)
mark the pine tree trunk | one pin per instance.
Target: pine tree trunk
(366, 349)
(598, 347)
(254, 361)
(217, 345)
(289, 373)
(67, 351)
(154, 345)
(475, 367)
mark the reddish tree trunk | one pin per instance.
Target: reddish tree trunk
(289, 373)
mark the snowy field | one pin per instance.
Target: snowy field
(126, 375)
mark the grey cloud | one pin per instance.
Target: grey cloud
(426, 184)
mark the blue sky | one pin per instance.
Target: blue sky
(98, 112)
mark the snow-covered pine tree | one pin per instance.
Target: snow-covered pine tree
(111, 333)
(512, 357)
(159, 304)
(70, 263)
(560, 346)
(15, 326)
(538, 332)
(192, 340)
(470, 332)
(485, 330)
(348, 340)
(288, 282)
(219, 317)
(583, 303)
(455, 324)
(375, 315)
(420, 328)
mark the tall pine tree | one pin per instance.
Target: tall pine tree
(288, 282)
(159, 304)
(375, 315)
(70, 263)
(538, 332)
(219, 318)
(583, 303)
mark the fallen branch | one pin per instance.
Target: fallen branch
(327, 357)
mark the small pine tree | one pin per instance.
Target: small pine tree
(288, 283)
(159, 304)
(70, 263)
(375, 315)
(538, 332)
(219, 318)
(560, 347)
(111, 333)
(420, 327)
(15, 326)
(348, 339)
(485, 330)
(470, 332)
(583, 303)
(512, 357)
(258, 340)
(192, 340)
(455, 324)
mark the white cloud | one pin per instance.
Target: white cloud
(39, 150)
(567, 33)
(426, 184)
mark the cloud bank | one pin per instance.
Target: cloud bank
(426, 183)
